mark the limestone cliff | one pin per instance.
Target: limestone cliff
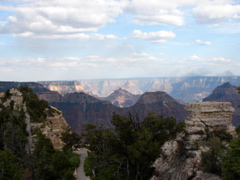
(181, 158)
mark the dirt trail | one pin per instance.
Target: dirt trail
(80, 170)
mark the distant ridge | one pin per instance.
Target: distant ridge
(187, 89)
(121, 98)
(79, 108)
(227, 93)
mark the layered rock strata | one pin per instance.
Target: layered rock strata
(181, 158)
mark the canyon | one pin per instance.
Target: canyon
(187, 89)
(82, 107)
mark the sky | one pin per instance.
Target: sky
(42, 40)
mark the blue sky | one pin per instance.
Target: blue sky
(102, 39)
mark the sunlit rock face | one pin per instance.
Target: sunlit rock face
(211, 115)
(181, 158)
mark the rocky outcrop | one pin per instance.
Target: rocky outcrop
(53, 126)
(181, 158)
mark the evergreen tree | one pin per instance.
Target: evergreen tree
(128, 149)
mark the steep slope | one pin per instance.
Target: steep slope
(81, 108)
(227, 93)
(121, 98)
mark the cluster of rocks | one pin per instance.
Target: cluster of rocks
(181, 158)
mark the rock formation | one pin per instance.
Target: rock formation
(227, 93)
(181, 158)
(52, 127)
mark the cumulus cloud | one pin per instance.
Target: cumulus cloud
(151, 12)
(195, 57)
(59, 17)
(171, 12)
(216, 11)
(200, 42)
(155, 37)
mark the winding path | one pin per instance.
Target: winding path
(80, 170)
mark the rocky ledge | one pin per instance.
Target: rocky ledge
(181, 158)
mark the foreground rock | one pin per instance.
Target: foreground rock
(181, 158)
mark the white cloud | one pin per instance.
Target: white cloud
(151, 12)
(172, 12)
(57, 17)
(156, 37)
(200, 42)
(94, 36)
(143, 57)
(210, 60)
(221, 59)
(194, 57)
(216, 11)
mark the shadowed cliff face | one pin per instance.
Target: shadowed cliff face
(227, 93)
(80, 108)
